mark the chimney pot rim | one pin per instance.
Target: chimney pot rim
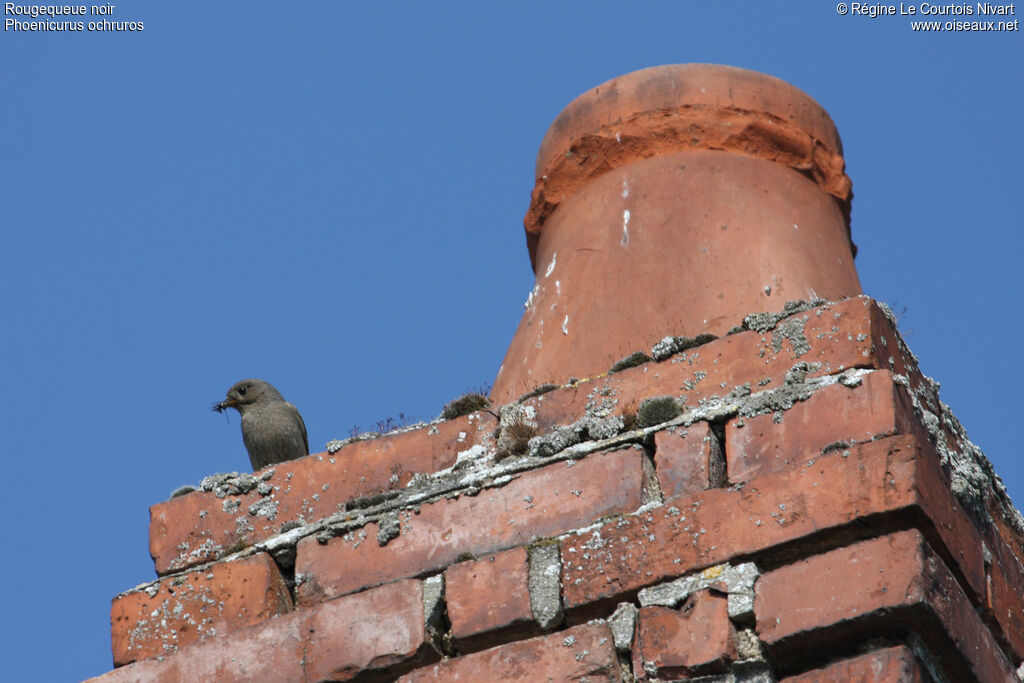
(692, 84)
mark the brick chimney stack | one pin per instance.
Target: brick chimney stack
(790, 502)
(675, 200)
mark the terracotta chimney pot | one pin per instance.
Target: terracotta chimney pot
(675, 200)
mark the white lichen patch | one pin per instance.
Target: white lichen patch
(476, 452)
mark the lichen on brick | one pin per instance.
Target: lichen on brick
(233, 483)
(793, 332)
(762, 322)
(553, 442)
(670, 346)
(388, 527)
(264, 507)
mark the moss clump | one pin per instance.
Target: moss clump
(656, 410)
(464, 405)
(629, 410)
(542, 389)
(835, 446)
(182, 490)
(515, 438)
(631, 361)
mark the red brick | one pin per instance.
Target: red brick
(891, 353)
(200, 527)
(835, 413)
(1006, 522)
(1005, 600)
(583, 653)
(544, 502)
(892, 476)
(489, 599)
(688, 460)
(373, 630)
(379, 632)
(890, 665)
(272, 650)
(146, 671)
(838, 336)
(897, 579)
(696, 639)
(956, 532)
(196, 606)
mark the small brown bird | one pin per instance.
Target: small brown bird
(272, 429)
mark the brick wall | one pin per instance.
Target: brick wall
(789, 502)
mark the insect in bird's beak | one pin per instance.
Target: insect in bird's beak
(224, 405)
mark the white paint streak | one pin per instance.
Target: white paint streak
(551, 266)
(625, 227)
(625, 188)
(565, 325)
(558, 288)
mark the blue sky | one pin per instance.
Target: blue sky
(329, 195)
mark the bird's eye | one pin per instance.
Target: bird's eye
(242, 390)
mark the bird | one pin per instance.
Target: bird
(272, 428)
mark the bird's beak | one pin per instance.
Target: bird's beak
(224, 405)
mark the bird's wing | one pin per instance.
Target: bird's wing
(302, 427)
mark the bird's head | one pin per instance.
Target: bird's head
(245, 393)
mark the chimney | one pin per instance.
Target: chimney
(673, 201)
(789, 503)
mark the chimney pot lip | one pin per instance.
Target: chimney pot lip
(671, 86)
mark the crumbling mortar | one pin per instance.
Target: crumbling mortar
(652, 493)
(436, 624)
(737, 582)
(545, 584)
